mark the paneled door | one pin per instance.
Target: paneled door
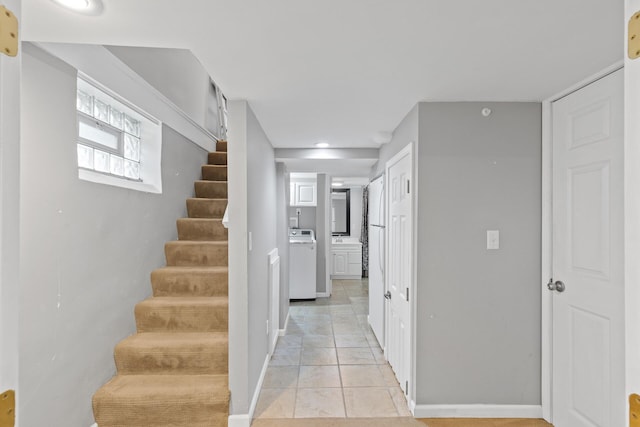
(588, 248)
(399, 265)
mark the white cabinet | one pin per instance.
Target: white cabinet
(303, 193)
(347, 261)
(340, 262)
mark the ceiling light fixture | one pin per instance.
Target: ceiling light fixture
(86, 7)
(337, 184)
(322, 144)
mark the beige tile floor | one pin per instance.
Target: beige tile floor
(329, 364)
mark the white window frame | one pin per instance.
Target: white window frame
(150, 179)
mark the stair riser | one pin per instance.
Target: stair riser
(205, 360)
(116, 413)
(196, 255)
(217, 158)
(211, 189)
(180, 318)
(189, 284)
(204, 208)
(201, 230)
(214, 173)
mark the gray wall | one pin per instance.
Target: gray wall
(175, 72)
(307, 216)
(478, 317)
(282, 229)
(86, 250)
(323, 231)
(405, 132)
(262, 224)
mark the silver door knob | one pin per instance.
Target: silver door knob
(387, 295)
(556, 286)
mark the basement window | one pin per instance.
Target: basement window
(118, 144)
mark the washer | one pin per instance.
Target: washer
(302, 263)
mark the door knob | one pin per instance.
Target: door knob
(559, 286)
(556, 286)
(387, 295)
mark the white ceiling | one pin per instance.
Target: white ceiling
(341, 71)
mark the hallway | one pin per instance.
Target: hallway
(330, 364)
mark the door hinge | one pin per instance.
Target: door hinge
(8, 32)
(406, 388)
(408, 187)
(634, 36)
(634, 410)
(407, 294)
(8, 408)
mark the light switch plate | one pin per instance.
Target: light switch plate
(493, 239)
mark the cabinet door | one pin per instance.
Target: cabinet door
(340, 262)
(355, 257)
(354, 269)
(305, 194)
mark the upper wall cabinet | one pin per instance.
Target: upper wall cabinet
(304, 191)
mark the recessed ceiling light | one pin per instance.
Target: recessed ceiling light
(322, 144)
(87, 7)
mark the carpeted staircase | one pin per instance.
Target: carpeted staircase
(174, 371)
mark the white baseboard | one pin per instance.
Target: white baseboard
(323, 294)
(477, 411)
(242, 420)
(283, 332)
(94, 425)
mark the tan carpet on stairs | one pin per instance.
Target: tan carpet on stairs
(174, 371)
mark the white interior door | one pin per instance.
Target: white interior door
(376, 259)
(400, 264)
(588, 250)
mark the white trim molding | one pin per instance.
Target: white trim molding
(244, 420)
(478, 411)
(283, 332)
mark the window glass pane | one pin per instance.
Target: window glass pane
(131, 126)
(131, 169)
(115, 118)
(100, 110)
(93, 132)
(131, 147)
(85, 156)
(101, 161)
(84, 103)
(117, 165)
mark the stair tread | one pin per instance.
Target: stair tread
(216, 220)
(217, 301)
(169, 339)
(187, 270)
(166, 387)
(195, 242)
(204, 181)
